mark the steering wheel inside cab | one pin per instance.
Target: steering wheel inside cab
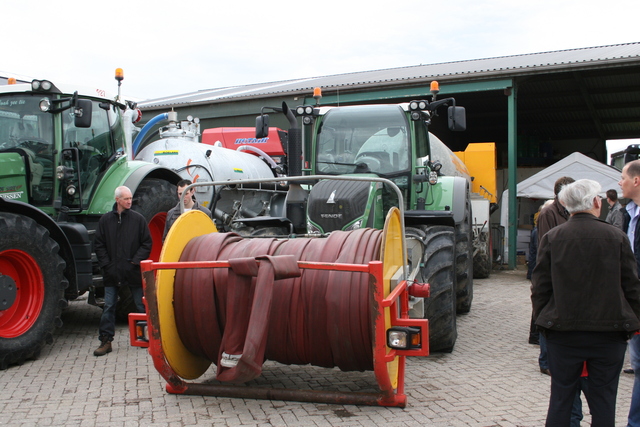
(37, 145)
(374, 160)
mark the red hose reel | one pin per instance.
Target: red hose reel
(219, 298)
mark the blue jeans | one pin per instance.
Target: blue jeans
(108, 320)
(634, 355)
(542, 359)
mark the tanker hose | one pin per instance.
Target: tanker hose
(237, 319)
(259, 152)
(145, 129)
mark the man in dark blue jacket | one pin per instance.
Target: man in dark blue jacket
(630, 186)
(122, 241)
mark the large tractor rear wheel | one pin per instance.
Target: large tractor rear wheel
(464, 260)
(32, 286)
(438, 271)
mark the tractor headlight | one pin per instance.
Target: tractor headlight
(418, 105)
(63, 172)
(45, 105)
(355, 226)
(404, 338)
(312, 229)
(433, 178)
(43, 86)
(71, 190)
(306, 111)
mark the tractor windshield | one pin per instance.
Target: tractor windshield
(26, 130)
(366, 139)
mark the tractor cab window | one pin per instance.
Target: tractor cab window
(367, 139)
(422, 141)
(95, 146)
(26, 130)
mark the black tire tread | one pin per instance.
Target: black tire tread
(464, 261)
(23, 233)
(439, 272)
(481, 266)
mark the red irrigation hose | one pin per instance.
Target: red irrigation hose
(322, 317)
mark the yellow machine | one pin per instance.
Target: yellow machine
(480, 161)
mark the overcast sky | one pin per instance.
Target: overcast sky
(169, 48)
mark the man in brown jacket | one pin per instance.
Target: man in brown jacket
(554, 214)
(586, 298)
(549, 217)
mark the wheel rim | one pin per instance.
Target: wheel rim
(24, 312)
(156, 228)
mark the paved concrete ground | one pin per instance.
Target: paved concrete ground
(490, 379)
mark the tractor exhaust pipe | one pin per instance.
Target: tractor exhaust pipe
(294, 144)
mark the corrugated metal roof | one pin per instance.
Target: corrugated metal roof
(448, 71)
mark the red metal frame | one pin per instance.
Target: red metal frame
(396, 303)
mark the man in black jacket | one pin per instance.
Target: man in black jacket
(122, 241)
(586, 299)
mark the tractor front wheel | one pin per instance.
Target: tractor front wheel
(464, 260)
(438, 270)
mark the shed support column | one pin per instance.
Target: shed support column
(512, 130)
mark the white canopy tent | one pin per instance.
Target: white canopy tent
(540, 186)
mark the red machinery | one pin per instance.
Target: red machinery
(232, 138)
(218, 298)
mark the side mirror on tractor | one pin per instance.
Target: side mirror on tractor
(262, 126)
(82, 113)
(457, 118)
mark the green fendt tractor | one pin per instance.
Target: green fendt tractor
(392, 142)
(63, 152)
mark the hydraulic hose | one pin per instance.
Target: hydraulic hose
(237, 319)
(145, 129)
(259, 152)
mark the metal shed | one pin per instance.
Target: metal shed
(538, 108)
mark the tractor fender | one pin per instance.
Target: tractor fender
(447, 203)
(150, 170)
(131, 174)
(55, 232)
(460, 198)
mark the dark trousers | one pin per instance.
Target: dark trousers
(604, 354)
(108, 319)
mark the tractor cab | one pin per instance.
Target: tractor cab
(365, 139)
(54, 145)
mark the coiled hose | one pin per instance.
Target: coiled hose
(322, 317)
